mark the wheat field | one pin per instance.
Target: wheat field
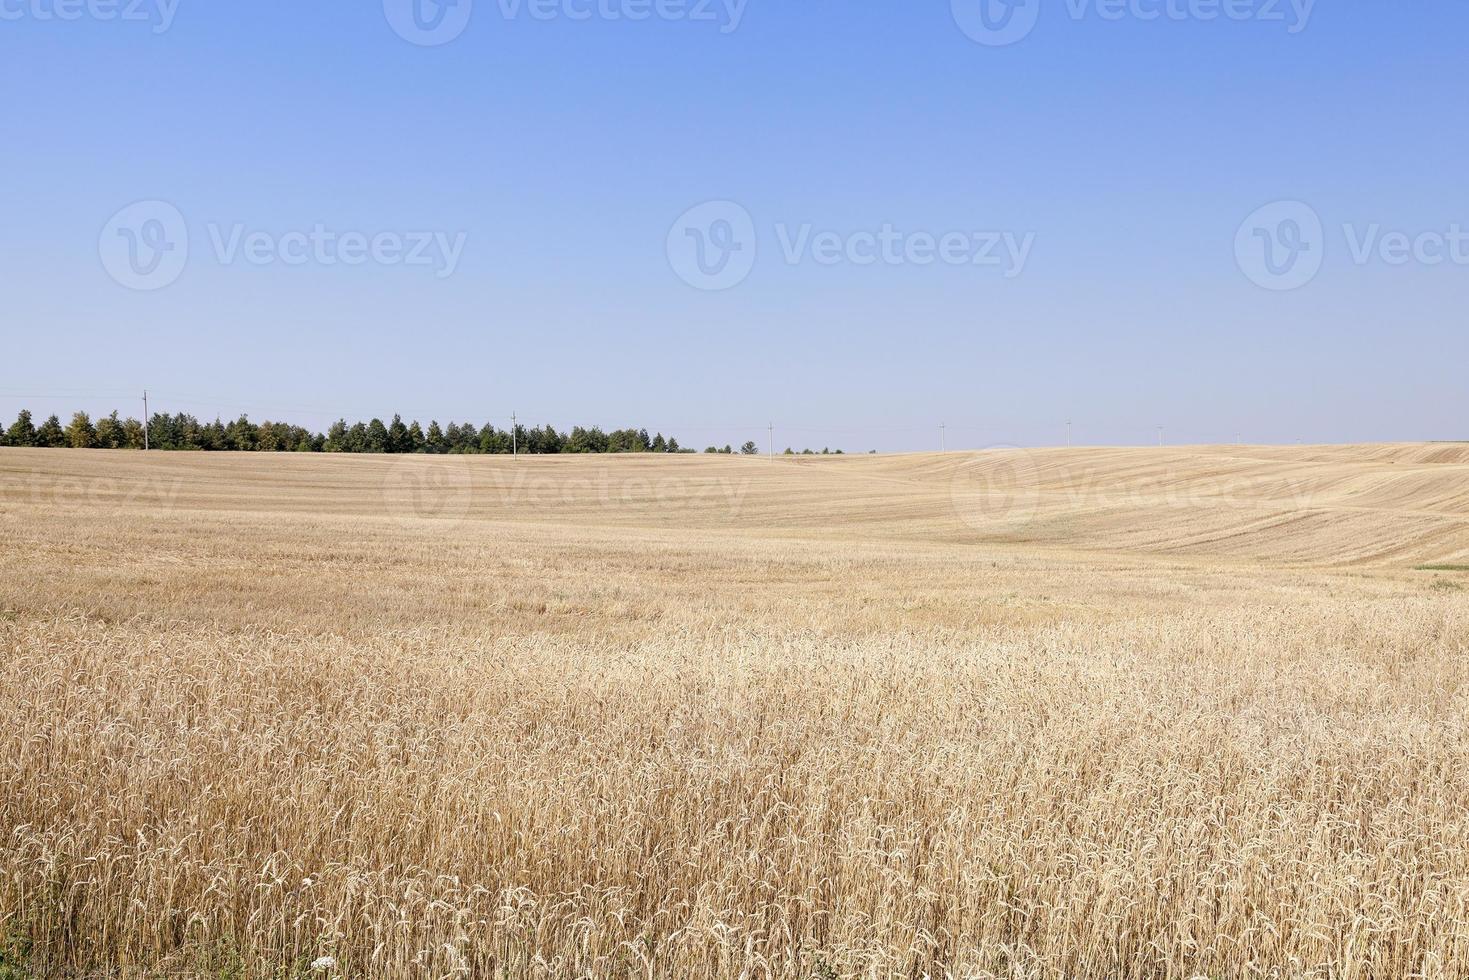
(1091, 713)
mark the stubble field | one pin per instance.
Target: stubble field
(1066, 713)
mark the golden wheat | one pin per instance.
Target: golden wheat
(1091, 713)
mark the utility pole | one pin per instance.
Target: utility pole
(514, 447)
(943, 437)
(1160, 435)
(772, 442)
(145, 421)
(1068, 433)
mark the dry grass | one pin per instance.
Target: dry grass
(1066, 714)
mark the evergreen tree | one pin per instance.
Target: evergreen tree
(212, 437)
(159, 431)
(22, 432)
(398, 439)
(434, 441)
(659, 445)
(377, 437)
(415, 438)
(749, 449)
(461, 438)
(550, 441)
(190, 432)
(499, 442)
(242, 436)
(51, 435)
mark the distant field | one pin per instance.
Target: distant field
(1062, 713)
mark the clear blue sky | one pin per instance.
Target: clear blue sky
(564, 148)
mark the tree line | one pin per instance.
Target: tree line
(185, 432)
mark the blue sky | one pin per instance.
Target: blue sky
(553, 151)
